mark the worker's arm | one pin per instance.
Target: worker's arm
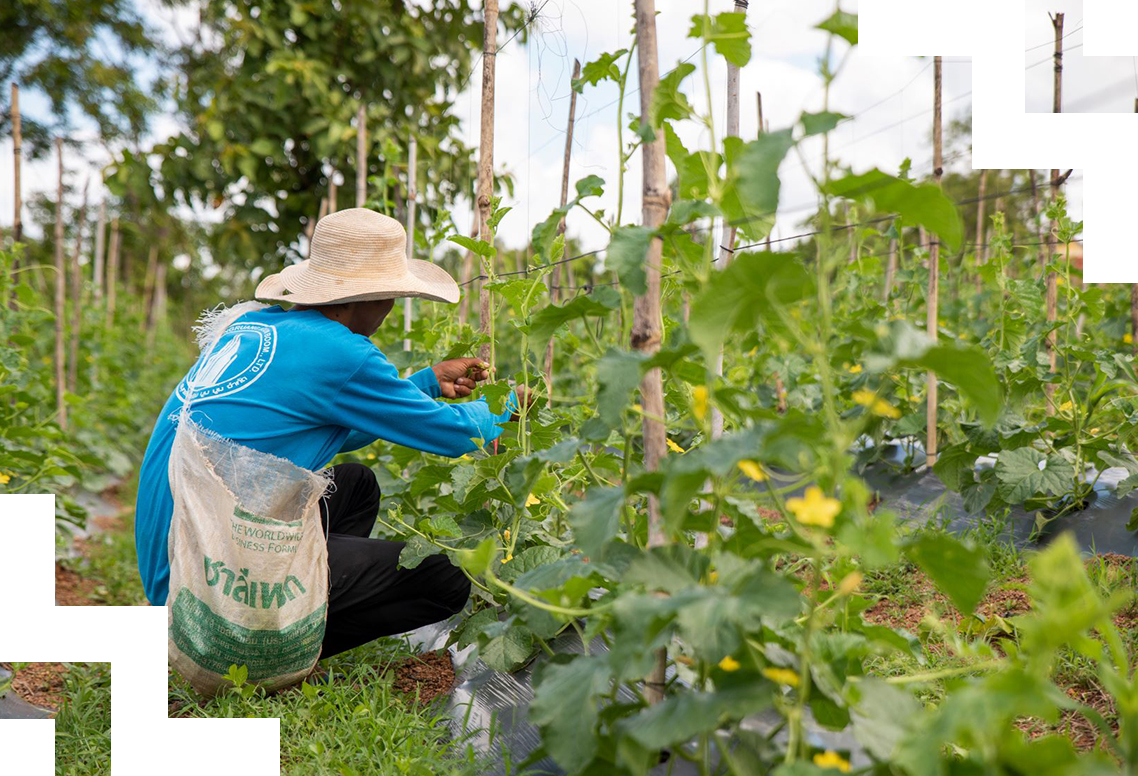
(376, 403)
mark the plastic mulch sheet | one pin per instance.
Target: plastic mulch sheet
(921, 497)
(489, 709)
(13, 706)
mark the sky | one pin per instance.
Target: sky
(1090, 84)
(889, 98)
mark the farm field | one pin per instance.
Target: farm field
(78, 696)
(851, 489)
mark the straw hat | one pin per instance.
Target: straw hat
(358, 255)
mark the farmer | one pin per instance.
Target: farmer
(307, 383)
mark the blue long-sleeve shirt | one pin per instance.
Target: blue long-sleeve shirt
(303, 387)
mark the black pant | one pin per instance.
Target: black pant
(370, 597)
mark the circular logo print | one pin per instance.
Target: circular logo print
(236, 362)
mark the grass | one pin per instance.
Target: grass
(83, 724)
(359, 724)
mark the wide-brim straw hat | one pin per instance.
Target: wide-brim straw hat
(358, 255)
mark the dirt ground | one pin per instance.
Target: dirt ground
(425, 676)
(40, 684)
(72, 589)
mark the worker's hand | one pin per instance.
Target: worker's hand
(459, 376)
(526, 398)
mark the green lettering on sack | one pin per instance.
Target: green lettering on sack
(215, 643)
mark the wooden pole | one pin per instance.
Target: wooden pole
(361, 156)
(17, 136)
(486, 160)
(76, 299)
(727, 248)
(60, 289)
(333, 190)
(112, 272)
(890, 271)
(1037, 208)
(1052, 277)
(646, 325)
(556, 275)
(100, 248)
(981, 248)
(934, 267)
(1134, 315)
(412, 202)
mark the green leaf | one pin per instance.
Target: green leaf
(924, 204)
(883, 716)
(416, 549)
(727, 32)
(590, 186)
(508, 649)
(602, 68)
(842, 24)
(596, 519)
(476, 561)
(671, 568)
(743, 293)
(618, 375)
(960, 571)
(474, 625)
(565, 708)
(689, 714)
(820, 123)
(545, 323)
(626, 253)
(1026, 472)
(668, 102)
(755, 172)
(479, 247)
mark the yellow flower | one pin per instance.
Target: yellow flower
(1094, 431)
(675, 448)
(816, 508)
(371, 456)
(637, 408)
(506, 535)
(877, 406)
(713, 576)
(782, 676)
(753, 351)
(508, 558)
(729, 664)
(752, 470)
(4, 478)
(850, 583)
(699, 402)
(1066, 406)
(855, 369)
(833, 760)
(1128, 338)
(532, 500)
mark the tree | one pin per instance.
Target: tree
(63, 48)
(269, 91)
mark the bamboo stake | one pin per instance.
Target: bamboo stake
(1052, 277)
(981, 248)
(17, 137)
(112, 272)
(148, 283)
(361, 156)
(1134, 315)
(646, 331)
(1038, 210)
(486, 160)
(333, 190)
(728, 246)
(555, 275)
(934, 268)
(60, 290)
(100, 247)
(76, 299)
(890, 271)
(412, 202)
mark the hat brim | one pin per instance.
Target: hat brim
(298, 284)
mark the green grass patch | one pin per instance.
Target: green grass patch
(83, 723)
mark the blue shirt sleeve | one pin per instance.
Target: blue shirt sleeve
(376, 403)
(427, 382)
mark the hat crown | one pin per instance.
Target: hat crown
(359, 242)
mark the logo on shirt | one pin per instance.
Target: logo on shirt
(233, 366)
